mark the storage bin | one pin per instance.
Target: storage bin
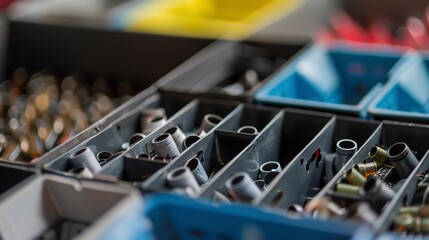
(14, 175)
(340, 78)
(56, 207)
(405, 98)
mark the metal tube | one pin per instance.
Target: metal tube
(197, 169)
(376, 191)
(378, 154)
(165, 146)
(82, 172)
(422, 210)
(248, 130)
(367, 169)
(87, 158)
(136, 137)
(158, 158)
(144, 156)
(182, 178)
(266, 168)
(153, 123)
(347, 188)
(103, 156)
(362, 212)
(354, 177)
(210, 121)
(261, 184)
(241, 187)
(345, 149)
(189, 141)
(177, 135)
(402, 159)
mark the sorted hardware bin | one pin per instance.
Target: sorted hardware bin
(387, 134)
(220, 148)
(340, 78)
(157, 213)
(280, 141)
(405, 98)
(310, 170)
(13, 175)
(203, 18)
(227, 70)
(114, 138)
(58, 208)
(131, 166)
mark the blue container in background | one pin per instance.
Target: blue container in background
(164, 216)
(340, 78)
(406, 96)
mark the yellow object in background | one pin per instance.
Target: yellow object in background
(226, 19)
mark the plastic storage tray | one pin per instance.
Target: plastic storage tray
(129, 168)
(58, 208)
(343, 78)
(283, 138)
(215, 221)
(221, 148)
(305, 176)
(113, 137)
(221, 65)
(406, 97)
(387, 134)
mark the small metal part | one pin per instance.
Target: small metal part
(154, 112)
(295, 208)
(158, 158)
(103, 156)
(376, 191)
(378, 154)
(261, 184)
(210, 121)
(241, 187)
(354, 177)
(87, 158)
(248, 130)
(362, 212)
(136, 137)
(143, 156)
(324, 208)
(201, 133)
(421, 211)
(197, 169)
(177, 135)
(153, 123)
(189, 141)
(82, 172)
(270, 177)
(271, 166)
(409, 223)
(347, 188)
(182, 177)
(367, 169)
(219, 197)
(402, 159)
(114, 155)
(165, 146)
(249, 79)
(345, 149)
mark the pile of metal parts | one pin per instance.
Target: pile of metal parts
(39, 112)
(363, 191)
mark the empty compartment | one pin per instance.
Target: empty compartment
(284, 137)
(315, 165)
(217, 221)
(114, 140)
(135, 165)
(226, 70)
(341, 78)
(405, 98)
(13, 175)
(389, 136)
(214, 152)
(58, 208)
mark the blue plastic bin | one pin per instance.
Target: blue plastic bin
(406, 96)
(341, 79)
(165, 216)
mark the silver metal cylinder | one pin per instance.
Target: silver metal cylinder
(209, 121)
(182, 178)
(261, 184)
(345, 149)
(197, 169)
(242, 188)
(158, 158)
(248, 130)
(165, 146)
(136, 137)
(376, 190)
(367, 169)
(402, 159)
(177, 135)
(144, 156)
(103, 156)
(201, 133)
(87, 158)
(150, 113)
(219, 197)
(266, 168)
(378, 154)
(153, 123)
(82, 172)
(189, 141)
